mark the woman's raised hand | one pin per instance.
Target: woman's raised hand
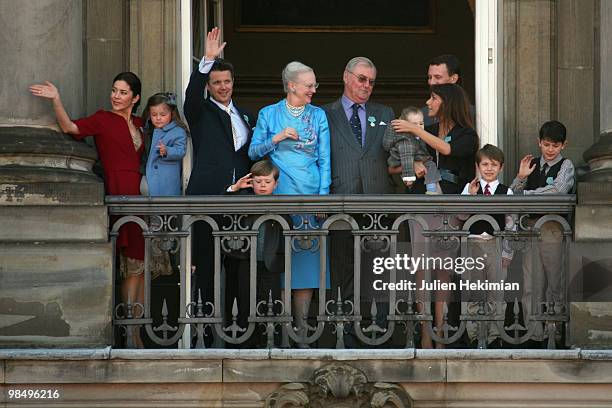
(214, 47)
(46, 90)
(286, 133)
(403, 126)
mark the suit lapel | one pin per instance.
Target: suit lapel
(372, 132)
(343, 126)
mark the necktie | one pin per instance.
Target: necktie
(355, 123)
(229, 112)
(543, 174)
(487, 190)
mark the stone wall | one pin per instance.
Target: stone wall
(321, 378)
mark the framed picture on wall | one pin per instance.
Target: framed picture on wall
(407, 16)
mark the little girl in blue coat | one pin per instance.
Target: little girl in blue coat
(165, 141)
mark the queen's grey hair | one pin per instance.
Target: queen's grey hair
(357, 61)
(292, 71)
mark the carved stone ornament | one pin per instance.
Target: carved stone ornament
(339, 385)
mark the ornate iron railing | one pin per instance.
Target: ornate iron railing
(376, 223)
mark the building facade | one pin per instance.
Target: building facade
(525, 62)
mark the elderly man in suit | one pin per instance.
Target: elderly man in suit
(221, 134)
(357, 127)
(358, 160)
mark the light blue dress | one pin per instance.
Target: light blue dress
(305, 168)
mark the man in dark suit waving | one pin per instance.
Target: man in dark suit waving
(220, 130)
(221, 133)
(358, 160)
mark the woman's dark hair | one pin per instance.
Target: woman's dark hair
(169, 99)
(455, 104)
(135, 85)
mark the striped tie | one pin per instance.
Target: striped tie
(229, 112)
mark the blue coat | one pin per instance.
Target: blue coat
(164, 173)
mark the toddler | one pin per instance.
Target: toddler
(404, 149)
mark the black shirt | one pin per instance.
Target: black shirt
(460, 162)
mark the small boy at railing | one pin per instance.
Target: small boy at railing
(490, 162)
(262, 180)
(550, 173)
(404, 149)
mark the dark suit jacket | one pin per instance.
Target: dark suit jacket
(356, 169)
(273, 240)
(214, 158)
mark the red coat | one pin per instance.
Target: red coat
(121, 163)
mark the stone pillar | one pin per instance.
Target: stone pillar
(528, 54)
(591, 322)
(153, 53)
(46, 44)
(55, 259)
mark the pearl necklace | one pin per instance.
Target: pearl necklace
(295, 110)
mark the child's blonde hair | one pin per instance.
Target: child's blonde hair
(410, 110)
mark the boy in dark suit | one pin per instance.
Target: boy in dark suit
(262, 180)
(490, 162)
(551, 173)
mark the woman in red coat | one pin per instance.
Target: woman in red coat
(120, 146)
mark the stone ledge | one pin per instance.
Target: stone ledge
(112, 371)
(108, 353)
(108, 366)
(529, 371)
(58, 224)
(341, 355)
(55, 354)
(208, 354)
(51, 193)
(488, 354)
(596, 355)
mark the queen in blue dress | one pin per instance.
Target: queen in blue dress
(295, 137)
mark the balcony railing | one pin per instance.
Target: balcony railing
(367, 318)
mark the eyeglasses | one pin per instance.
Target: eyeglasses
(311, 86)
(362, 79)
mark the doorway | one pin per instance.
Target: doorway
(261, 44)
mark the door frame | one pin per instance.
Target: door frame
(488, 68)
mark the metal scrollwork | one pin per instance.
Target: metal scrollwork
(370, 243)
(270, 319)
(375, 222)
(235, 222)
(305, 243)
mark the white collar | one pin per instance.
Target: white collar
(223, 107)
(552, 162)
(492, 185)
